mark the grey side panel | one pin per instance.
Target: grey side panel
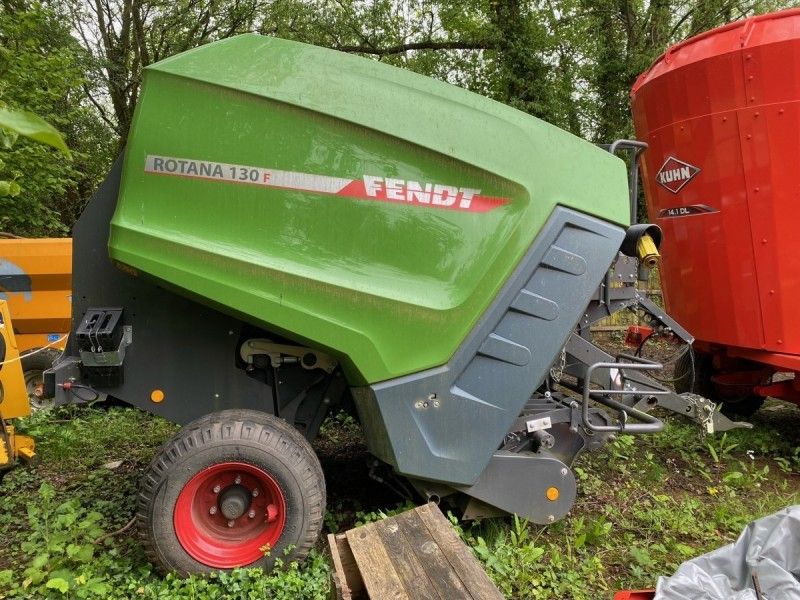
(444, 424)
(179, 346)
(517, 483)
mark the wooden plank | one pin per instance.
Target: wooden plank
(464, 563)
(346, 576)
(377, 571)
(406, 564)
(351, 573)
(440, 573)
(342, 591)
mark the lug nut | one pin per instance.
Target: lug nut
(252, 514)
(212, 510)
(255, 493)
(230, 523)
(238, 480)
(217, 489)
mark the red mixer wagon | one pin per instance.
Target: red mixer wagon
(720, 113)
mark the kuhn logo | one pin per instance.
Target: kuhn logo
(674, 174)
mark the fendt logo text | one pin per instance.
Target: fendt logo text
(674, 174)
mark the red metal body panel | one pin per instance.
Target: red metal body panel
(728, 102)
(635, 595)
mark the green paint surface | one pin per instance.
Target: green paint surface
(391, 288)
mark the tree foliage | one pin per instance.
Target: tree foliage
(571, 62)
(22, 122)
(14, 123)
(41, 70)
(79, 63)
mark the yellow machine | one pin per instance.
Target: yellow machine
(13, 397)
(36, 280)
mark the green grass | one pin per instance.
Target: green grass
(644, 506)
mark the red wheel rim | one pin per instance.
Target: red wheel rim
(212, 538)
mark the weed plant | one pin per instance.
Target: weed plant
(644, 506)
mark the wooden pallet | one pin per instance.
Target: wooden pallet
(415, 555)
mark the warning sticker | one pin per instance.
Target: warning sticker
(369, 187)
(686, 211)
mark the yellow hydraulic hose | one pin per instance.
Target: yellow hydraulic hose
(647, 251)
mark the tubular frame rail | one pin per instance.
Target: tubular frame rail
(648, 423)
(635, 147)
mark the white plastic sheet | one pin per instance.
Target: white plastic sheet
(763, 564)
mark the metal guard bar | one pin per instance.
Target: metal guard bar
(637, 147)
(649, 423)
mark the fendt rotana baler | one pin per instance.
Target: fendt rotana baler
(293, 230)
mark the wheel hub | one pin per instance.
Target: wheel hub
(234, 501)
(229, 515)
(35, 387)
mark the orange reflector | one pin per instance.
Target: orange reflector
(552, 494)
(157, 396)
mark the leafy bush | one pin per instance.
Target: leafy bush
(64, 559)
(59, 550)
(644, 506)
(541, 563)
(74, 542)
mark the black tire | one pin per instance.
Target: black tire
(33, 367)
(260, 440)
(733, 408)
(744, 407)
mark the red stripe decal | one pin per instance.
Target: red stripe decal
(412, 192)
(380, 189)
